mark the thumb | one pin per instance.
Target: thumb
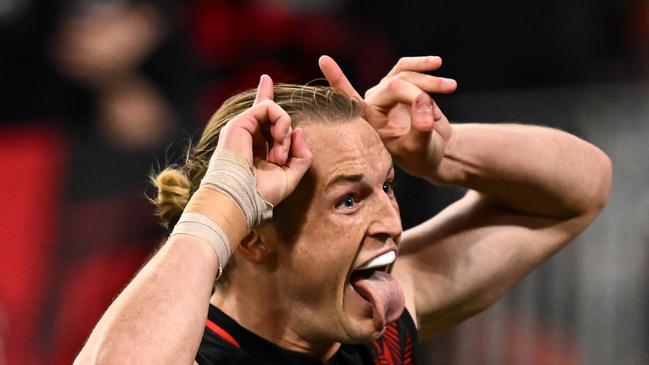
(299, 162)
(422, 113)
(421, 125)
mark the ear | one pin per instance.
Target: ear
(255, 248)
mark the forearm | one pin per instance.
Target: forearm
(537, 189)
(160, 315)
(529, 169)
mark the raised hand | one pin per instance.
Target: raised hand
(410, 123)
(263, 135)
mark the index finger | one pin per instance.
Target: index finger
(417, 64)
(264, 89)
(336, 77)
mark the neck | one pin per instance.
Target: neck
(272, 321)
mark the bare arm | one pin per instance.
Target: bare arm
(160, 315)
(530, 169)
(533, 189)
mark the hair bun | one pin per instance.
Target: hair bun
(173, 194)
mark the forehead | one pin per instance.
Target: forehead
(346, 148)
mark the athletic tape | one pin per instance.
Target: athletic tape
(201, 226)
(233, 175)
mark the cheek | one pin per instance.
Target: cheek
(327, 248)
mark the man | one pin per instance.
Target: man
(318, 283)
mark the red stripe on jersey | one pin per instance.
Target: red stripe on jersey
(221, 332)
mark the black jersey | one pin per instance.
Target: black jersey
(226, 342)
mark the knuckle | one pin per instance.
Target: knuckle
(435, 82)
(401, 75)
(266, 103)
(408, 149)
(393, 84)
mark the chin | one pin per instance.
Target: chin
(360, 333)
(359, 327)
(358, 322)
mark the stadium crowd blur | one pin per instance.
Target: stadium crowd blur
(94, 95)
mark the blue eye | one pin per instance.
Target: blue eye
(347, 202)
(388, 187)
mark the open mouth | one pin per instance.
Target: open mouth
(378, 290)
(379, 262)
(382, 260)
(370, 270)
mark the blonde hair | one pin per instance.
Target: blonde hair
(304, 104)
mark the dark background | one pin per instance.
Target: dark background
(97, 94)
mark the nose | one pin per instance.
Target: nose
(386, 221)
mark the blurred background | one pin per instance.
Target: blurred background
(94, 95)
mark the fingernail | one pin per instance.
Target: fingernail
(449, 83)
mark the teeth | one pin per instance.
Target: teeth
(382, 260)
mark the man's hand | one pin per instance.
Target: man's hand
(410, 123)
(263, 135)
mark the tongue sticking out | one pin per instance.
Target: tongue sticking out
(384, 294)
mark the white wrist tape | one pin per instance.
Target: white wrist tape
(201, 226)
(233, 175)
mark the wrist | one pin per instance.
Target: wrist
(233, 175)
(223, 210)
(445, 168)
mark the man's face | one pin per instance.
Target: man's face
(348, 216)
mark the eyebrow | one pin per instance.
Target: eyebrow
(339, 179)
(342, 178)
